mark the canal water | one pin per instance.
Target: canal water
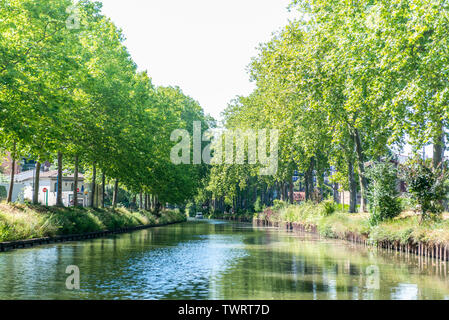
(219, 260)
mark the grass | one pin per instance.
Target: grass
(403, 229)
(24, 221)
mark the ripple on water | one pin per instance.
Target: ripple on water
(171, 272)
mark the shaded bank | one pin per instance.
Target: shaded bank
(403, 234)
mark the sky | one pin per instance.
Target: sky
(202, 46)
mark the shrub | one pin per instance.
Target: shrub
(258, 205)
(427, 186)
(3, 194)
(279, 204)
(383, 194)
(329, 207)
(191, 209)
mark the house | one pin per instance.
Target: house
(23, 164)
(48, 184)
(299, 196)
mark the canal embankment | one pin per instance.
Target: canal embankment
(405, 233)
(23, 225)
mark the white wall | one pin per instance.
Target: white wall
(17, 192)
(50, 186)
(66, 185)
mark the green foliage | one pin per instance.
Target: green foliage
(402, 230)
(427, 186)
(191, 209)
(20, 222)
(329, 206)
(279, 204)
(257, 205)
(77, 92)
(383, 193)
(2, 192)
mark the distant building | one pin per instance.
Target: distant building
(22, 165)
(6, 163)
(299, 196)
(49, 181)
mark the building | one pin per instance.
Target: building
(48, 184)
(23, 164)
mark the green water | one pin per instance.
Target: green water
(219, 260)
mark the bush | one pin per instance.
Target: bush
(257, 205)
(279, 204)
(383, 194)
(3, 194)
(427, 186)
(329, 207)
(20, 221)
(191, 209)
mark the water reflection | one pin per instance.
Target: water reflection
(217, 260)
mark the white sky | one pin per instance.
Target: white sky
(202, 46)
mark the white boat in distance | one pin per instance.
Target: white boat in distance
(199, 215)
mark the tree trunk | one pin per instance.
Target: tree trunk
(306, 185)
(248, 197)
(134, 206)
(310, 186)
(147, 202)
(438, 150)
(13, 171)
(75, 178)
(141, 201)
(352, 188)
(292, 197)
(59, 202)
(157, 205)
(361, 171)
(103, 189)
(115, 195)
(282, 191)
(255, 194)
(36, 183)
(335, 189)
(94, 185)
(320, 181)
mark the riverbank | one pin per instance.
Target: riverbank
(23, 222)
(403, 233)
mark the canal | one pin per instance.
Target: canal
(219, 260)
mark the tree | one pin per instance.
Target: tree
(427, 185)
(383, 191)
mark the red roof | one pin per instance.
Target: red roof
(299, 196)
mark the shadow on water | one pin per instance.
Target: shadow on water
(219, 260)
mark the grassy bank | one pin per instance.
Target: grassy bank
(22, 221)
(404, 229)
